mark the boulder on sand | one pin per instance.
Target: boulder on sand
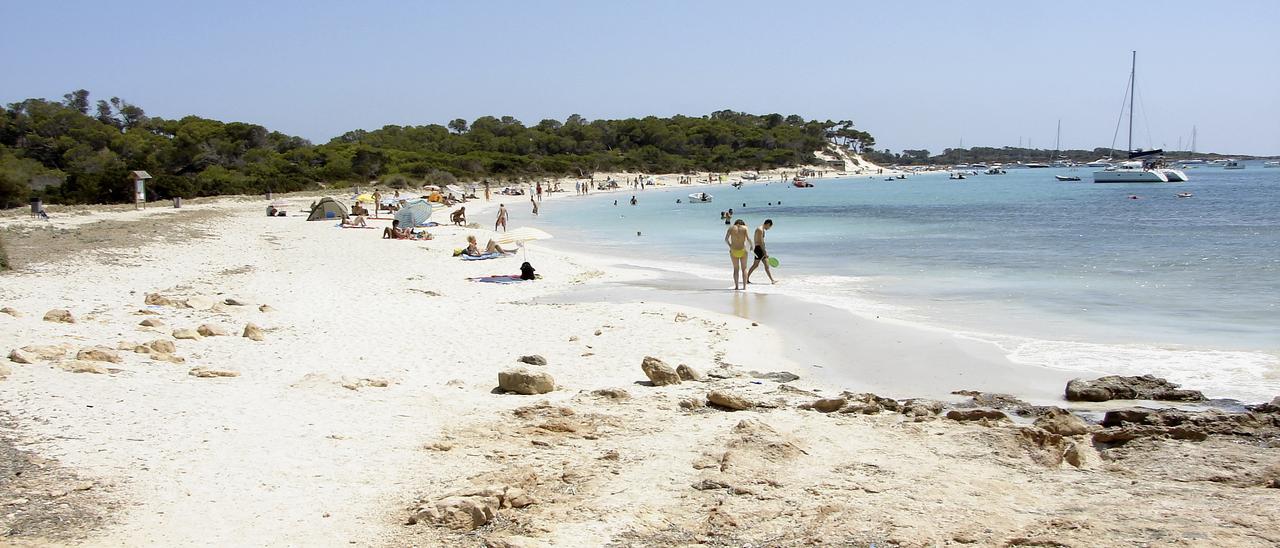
(98, 354)
(532, 359)
(45, 351)
(204, 372)
(156, 299)
(189, 334)
(151, 322)
(199, 302)
(18, 356)
(253, 332)
(60, 316)
(211, 330)
(1062, 422)
(163, 345)
(523, 381)
(976, 414)
(827, 405)
(79, 366)
(687, 373)
(659, 373)
(1116, 387)
(10, 311)
(729, 400)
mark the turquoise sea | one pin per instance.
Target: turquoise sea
(1072, 275)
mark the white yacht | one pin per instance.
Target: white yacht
(1232, 164)
(1135, 170)
(1100, 162)
(1271, 164)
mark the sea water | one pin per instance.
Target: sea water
(1071, 275)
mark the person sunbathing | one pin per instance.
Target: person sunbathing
(395, 232)
(357, 221)
(473, 248)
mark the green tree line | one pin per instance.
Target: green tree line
(80, 151)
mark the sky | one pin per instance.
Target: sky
(913, 74)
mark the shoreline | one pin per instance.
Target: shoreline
(372, 396)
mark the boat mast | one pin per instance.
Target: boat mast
(1133, 80)
(1057, 142)
(1193, 140)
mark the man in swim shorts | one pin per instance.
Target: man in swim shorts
(762, 256)
(738, 240)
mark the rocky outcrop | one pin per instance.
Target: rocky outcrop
(1062, 422)
(156, 299)
(976, 414)
(827, 405)
(59, 315)
(775, 376)
(523, 381)
(468, 510)
(1123, 425)
(18, 356)
(79, 366)
(163, 345)
(1116, 387)
(920, 409)
(532, 359)
(612, 393)
(659, 373)
(729, 400)
(253, 333)
(688, 373)
(10, 311)
(45, 352)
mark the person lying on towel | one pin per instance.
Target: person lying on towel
(473, 249)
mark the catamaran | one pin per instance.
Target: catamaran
(1137, 170)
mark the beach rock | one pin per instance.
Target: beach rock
(204, 372)
(163, 345)
(365, 382)
(775, 376)
(211, 330)
(18, 356)
(729, 400)
(920, 408)
(1074, 454)
(1062, 422)
(99, 354)
(11, 312)
(866, 403)
(659, 373)
(141, 349)
(199, 302)
(688, 373)
(146, 312)
(253, 332)
(157, 299)
(533, 359)
(468, 510)
(266, 308)
(59, 315)
(692, 403)
(151, 322)
(1115, 387)
(45, 352)
(1272, 407)
(188, 334)
(78, 366)
(523, 381)
(573, 338)
(976, 414)
(681, 317)
(166, 357)
(612, 393)
(1044, 447)
(827, 405)
(232, 301)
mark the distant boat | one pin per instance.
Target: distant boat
(1100, 162)
(1183, 194)
(1232, 164)
(800, 182)
(750, 176)
(994, 171)
(699, 197)
(978, 166)
(1138, 171)
(1066, 177)
(1271, 164)
(956, 175)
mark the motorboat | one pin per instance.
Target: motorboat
(994, 171)
(978, 166)
(957, 176)
(800, 182)
(1183, 194)
(1232, 164)
(1271, 164)
(750, 176)
(1100, 162)
(1066, 177)
(1035, 165)
(700, 197)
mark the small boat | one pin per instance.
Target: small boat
(750, 176)
(800, 182)
(1232, 164)
(1066, 177)
(1035, 165)
(700, 197)
(1183, 194)
(1271, 164)
(1100, 162)
(995, 171)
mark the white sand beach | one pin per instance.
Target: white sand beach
(371, 397)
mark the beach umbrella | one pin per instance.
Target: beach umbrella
(413, 213)
(521, 235)
(366, 197)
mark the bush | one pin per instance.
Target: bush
(4, 257)
(397, 181)
(440, 178)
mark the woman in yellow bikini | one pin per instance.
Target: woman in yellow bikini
(738, 238)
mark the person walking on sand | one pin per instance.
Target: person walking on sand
(762, 255)
(502, 218)
(377, 201)
(535, 205)
(738, 239)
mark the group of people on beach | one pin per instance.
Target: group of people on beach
(738, 240)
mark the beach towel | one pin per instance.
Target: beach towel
(498, 279)
(483, 257)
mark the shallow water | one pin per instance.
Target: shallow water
(1069, 274)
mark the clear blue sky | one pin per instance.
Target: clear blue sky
(915, 74)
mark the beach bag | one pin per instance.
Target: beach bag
(526, 271)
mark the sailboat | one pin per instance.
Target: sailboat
(1137, 170)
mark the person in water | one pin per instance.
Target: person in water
(762, 255)
(738, 239)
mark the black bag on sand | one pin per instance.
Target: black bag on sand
(526, 271)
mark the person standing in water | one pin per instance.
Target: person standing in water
(535, 205)
(738, 239)
(762, 255)
(502, 218)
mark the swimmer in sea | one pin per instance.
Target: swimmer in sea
(738, 238)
